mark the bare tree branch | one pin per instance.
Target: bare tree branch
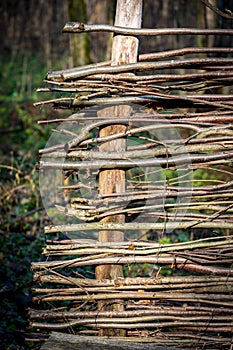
(228, 14)
(77, 27)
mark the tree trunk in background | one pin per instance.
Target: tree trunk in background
(101, 43)
(201, 23)
(124, 50)
(35, 27)
(110, 14)
(206, 18)
(221, 22)
(79, 44)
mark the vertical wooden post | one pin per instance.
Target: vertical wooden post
(124, 50)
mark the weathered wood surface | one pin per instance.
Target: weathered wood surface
(193, 313)
(124, 50)
(61, 341)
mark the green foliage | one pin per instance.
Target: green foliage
(19, 193)
(208, 176)
(21, 241)
(21, 237)
(20, 75)
(20, 133)
(17, 251)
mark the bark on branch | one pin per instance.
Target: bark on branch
(77, 27)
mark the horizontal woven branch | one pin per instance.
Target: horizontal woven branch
(135, 248)
(135, 226)
(78, 27)
(132, 67)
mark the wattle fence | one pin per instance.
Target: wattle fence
(173, 277)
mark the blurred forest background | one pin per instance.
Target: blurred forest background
(31, 45)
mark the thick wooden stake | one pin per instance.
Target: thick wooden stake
(124, 50)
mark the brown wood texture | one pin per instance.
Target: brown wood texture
(61, 341)
(124, 50)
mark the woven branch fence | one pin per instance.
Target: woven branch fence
(172, 292)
